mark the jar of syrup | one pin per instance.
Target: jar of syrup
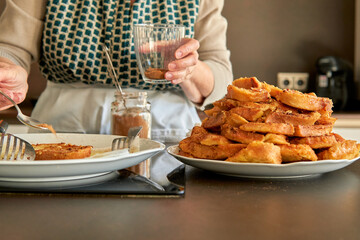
(131, 109)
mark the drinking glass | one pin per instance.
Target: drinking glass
(155, 46)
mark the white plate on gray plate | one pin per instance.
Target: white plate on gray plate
(58, 182)
(263, 170)
(77, 167)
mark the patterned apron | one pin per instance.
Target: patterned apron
(75, 29)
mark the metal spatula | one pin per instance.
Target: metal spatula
(14, 148)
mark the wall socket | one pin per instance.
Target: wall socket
(291, 80)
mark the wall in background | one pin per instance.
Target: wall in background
(357, 47)
(267, 37)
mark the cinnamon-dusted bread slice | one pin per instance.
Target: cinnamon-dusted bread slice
(241, 136)
(274, 91)
(212, 111)
(58, 151)
(292, 118)
(202, 136)
(297, 153)
(258, 152)
(234, 119)
(277, 139)
(347, 149)
(316, 142)
(305, 101)
(277, 128)
(227, 104)
(247, 83)
(326, 120)
(217, 152)
(312, 130)
(250, 114)
(214, 122)
(247, 95)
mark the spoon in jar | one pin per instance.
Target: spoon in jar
(112, 71)
(26, 120)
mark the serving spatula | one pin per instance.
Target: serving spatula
(14, 148)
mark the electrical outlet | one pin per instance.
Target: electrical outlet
(296, 81)
(285, 80)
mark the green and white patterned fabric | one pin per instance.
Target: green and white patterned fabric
(75, 29)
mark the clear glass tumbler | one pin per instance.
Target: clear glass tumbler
(155, 46)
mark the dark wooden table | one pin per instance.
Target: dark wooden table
(214, 207)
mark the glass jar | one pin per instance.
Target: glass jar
(132, 110)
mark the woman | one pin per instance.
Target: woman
(64, 36)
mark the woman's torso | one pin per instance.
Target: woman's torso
(75, 29)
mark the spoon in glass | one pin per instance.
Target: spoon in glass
(26, 120)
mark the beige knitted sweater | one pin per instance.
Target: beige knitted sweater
(22, 24)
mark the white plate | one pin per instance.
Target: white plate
(76, 167)
(263, 170)
(58, 182)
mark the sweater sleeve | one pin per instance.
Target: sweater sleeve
(210, 31)
(21, 25)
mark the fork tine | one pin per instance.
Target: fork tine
(18, 149)
(119, 143)
(7, 155)
(2, 147)
(7, 148)
(20, 152)
(126, 143)
(113, 145)
(14, 147)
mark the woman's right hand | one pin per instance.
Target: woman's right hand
(13, 82)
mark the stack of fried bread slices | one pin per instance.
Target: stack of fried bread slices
(259, 123)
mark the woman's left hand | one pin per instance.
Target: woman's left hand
(194, 76)
(187, 58)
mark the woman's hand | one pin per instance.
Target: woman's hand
(193, 75)
(187, 58)
(13, 82)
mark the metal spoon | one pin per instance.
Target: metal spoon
(26, 120)
(112, 71)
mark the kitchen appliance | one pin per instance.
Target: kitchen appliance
(335, 80)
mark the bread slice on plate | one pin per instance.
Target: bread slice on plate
(57, 151)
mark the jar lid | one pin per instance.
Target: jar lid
(130, 94)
